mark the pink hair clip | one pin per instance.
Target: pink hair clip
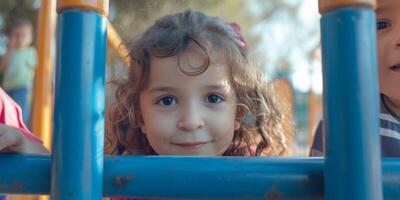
(239, 38)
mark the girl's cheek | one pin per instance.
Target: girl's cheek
(160, 120)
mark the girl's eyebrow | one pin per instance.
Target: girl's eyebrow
(162, 89)
(219, 87)
(215, 87)
(157, 89)
(382, 8)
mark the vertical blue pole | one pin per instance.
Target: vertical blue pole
(77, 159)
(351, 100)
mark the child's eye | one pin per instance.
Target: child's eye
(382, 24)
(214, 99)
(166, 101)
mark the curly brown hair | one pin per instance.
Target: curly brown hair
(170, 36)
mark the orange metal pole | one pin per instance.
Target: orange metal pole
(100, 6)
(42, 100)
(42, 109)
(115, 42)
(326, 5)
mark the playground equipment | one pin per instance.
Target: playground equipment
(352, 169)
(42, 104)
(43, 93)
(351, 100)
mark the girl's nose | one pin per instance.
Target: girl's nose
(397, 38)
(190, 119)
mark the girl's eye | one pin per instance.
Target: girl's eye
(213, 99)
(166, 101)
(382, 24)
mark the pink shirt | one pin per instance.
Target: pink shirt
(11, 115)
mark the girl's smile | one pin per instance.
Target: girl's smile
(191, 145)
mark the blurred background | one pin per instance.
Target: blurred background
(284, 34)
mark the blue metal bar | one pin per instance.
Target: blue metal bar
(351, 100)
(214, 178)
(199, 177)
(77, 167)
(21, 174)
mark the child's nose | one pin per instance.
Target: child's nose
(190, 119)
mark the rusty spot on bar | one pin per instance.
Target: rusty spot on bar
(17, 186)
(121, 181)
(273, 194)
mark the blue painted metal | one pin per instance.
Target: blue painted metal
(211, 177)
(214, 178)
(191, 177)
(77, 166)
(351, 100)
(21, 174)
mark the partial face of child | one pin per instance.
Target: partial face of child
(21, 36)
(388, 24)
(189, 115)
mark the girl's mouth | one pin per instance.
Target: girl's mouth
(191, 145)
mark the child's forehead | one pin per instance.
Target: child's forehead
(195, 55)
(24, 27)
(387, 5)
(190, 60)
(164, 73)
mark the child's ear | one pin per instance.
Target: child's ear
(241, 111)
(237, 124)
(140, 121)
(143, 128)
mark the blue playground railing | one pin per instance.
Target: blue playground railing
(231, 178)
(351, 100)
(77, 159)
(352, 169)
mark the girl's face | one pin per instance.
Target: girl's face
(189, 115)
(388, 24)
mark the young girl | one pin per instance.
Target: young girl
(191, 90)
(388, 38)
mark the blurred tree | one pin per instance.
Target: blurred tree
(13, 9)
(133, 17)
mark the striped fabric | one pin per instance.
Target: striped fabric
(390, 134)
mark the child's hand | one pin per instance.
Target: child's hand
(13, 140)
(12, 43)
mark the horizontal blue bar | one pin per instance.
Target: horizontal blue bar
(192, 177)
